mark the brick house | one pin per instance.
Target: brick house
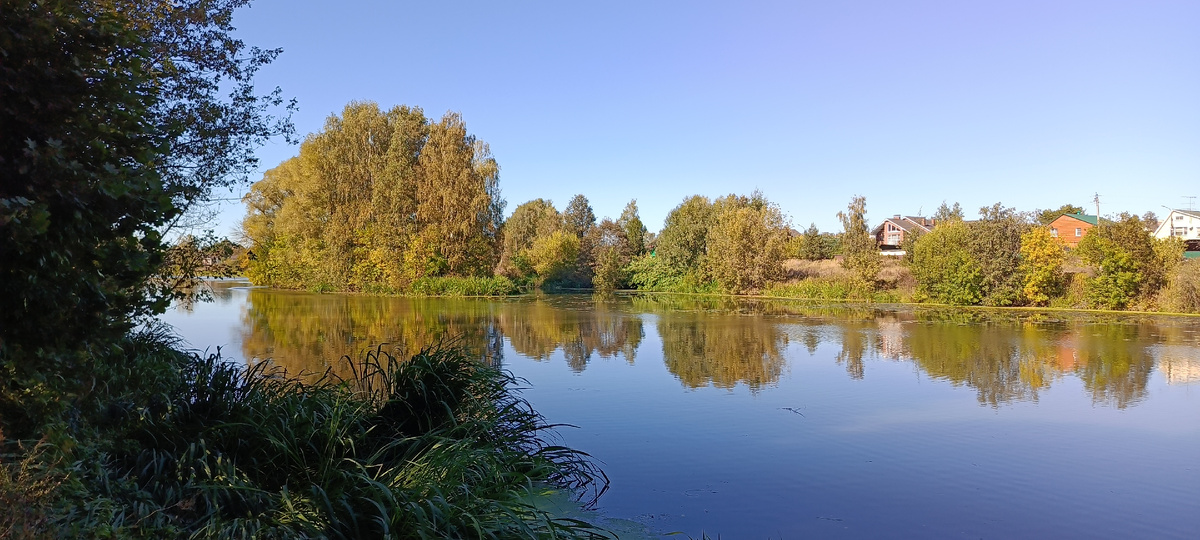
(1070, 228)
(890, 234)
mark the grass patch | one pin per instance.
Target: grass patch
(840, 288)
(464, 286)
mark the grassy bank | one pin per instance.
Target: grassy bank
(181, 445)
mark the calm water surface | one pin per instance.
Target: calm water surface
(767, 419)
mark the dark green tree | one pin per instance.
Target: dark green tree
(1045, 217)
(578, 216)
(81, 201)
(635, 231)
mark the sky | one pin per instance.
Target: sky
(1033, 104)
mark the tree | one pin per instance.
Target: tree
(610, 254)
(553, 256)
(944, 266)
(684, 237)
(578, 216)
(376, 200)
(861, 255)
(635, 231)
(1042, 259)
(458, 197)
(531, 220)
(947, 213)
(83, 196)
(996, 247)
(204, 84)
(1045, 217)
(746, 243)
(1126, 262)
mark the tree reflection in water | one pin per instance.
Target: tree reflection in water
(721, 342)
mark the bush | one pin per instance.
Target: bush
(1182, 293)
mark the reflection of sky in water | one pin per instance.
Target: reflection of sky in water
(757, 420)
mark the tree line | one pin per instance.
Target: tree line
(394, 202)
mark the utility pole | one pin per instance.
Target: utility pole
(1096, 200)
(1191, 202)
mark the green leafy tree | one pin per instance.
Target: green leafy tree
(610, 255)
(635, 231)
(682, 243)
(1045, 217)
(814, 245)
(1129, 264)
(860, 254)
(944, 266)
(996, 248)
(578, 216)
(946, 213)
(82, 200)
(1042, 259)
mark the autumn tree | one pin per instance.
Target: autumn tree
(861, 255)
(531, 220)
(375, 201)
(1042, 259)
(1130, 265)
(746, 243)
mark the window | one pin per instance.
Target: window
(1053, 232)
(893, 239)
(1078, 232)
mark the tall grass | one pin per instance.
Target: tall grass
(464, 286)
(437, 446)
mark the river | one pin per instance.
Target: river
(776, 419)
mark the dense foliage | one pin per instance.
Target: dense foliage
(376, 201)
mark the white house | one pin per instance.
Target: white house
(1182, 223)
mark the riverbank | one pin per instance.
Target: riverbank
(172, 444)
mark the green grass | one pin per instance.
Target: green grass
(187, 445)
(832, 289)
(464, 286)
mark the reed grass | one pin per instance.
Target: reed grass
(190, 445)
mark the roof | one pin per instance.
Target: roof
(1084, 218)
(906, 223)
(1193, 213)
(1191, 254)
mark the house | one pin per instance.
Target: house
(1070, 228)
(1182, 223)
(890, 234)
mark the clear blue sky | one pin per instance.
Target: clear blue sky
(1030, 103)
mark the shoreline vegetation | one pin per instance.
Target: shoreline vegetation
(364, 208)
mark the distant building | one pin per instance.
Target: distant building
(1070, 228)
(1182, 223)
(890, 234)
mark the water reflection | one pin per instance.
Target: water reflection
(724, 343)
